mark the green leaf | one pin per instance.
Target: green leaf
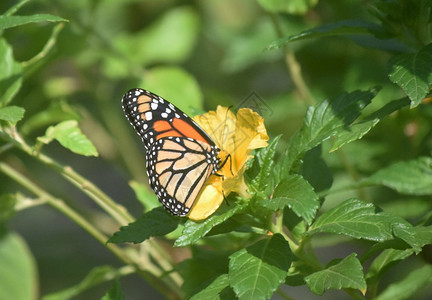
(355, 132)
(412, 177)
(359, 129)
(355, 218)
(193, 231)
(297, 194)
(257, 271)
(13, 21)
(325, 120)
(18, 276)
(68, 134)
(95, 277)
(10, 75)
(175, 85)
(292, 6)
(413, 73)
(361, 220)
(114, 293)
(407, 288)
(348, 273)
(218, 289)
(345, 27)
(156, 222)
(385, 261)
(265, 159)
(147, 197)
(12, 114)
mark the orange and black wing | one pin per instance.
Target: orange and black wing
(154, 118)
(180, 156)
(178, 168)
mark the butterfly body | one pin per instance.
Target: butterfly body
(180, 156)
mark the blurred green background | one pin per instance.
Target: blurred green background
(197, 54)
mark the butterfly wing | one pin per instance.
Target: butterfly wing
(180, 156)
(177, 169)
(154, 118)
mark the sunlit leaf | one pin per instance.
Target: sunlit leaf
(348, 273)
(13, 21)
(412, 177)
(296, 193)
(193, 230)
(325, 120)
(11, 114)
(156, 222)
(413, 73)
(354, 218)
(68, 134)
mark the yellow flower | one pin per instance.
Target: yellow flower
(236, 135)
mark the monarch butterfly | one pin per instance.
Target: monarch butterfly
(180, 156)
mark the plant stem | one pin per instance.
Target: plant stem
(116, 211)
(294, 67)
(150, 273)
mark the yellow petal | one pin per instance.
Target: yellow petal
(209, 200)
(236, 136)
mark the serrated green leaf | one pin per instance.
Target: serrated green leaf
(413, 73)
(10, 75)
(325, 120)
(405, 231)
(156, 222)
(114, 293)
(296, 193)
(265, 159)
(12, 114)
(345, 27)
(292, 6)
(348, 273)
(412, 177)
(147, 197)
(219, 289)
(359, 129)
(18, 278)
(193, 231)
(361, 220)
(355, 132)
(355, 218)
(257, 271)
(407, 288)
(68, 134)
(175, 85)
(96, 276)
